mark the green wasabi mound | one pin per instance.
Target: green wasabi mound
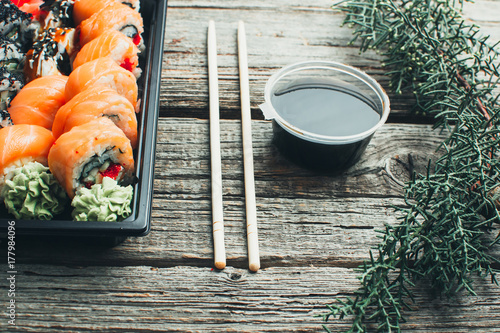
(103, 202)
(33, 193)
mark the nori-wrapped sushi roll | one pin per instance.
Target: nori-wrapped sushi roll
(51, 54)
(59, 13)
(15, 24)
(11, 56)
(10, 84)
(5, 119)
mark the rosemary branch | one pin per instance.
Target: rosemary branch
(452, 71)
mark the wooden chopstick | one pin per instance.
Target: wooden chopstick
(217, 206)
(246, 120)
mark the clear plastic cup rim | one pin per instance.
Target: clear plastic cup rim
(270, 113)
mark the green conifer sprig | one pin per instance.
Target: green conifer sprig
(453, 72)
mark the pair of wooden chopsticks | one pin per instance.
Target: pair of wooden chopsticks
(217, 207)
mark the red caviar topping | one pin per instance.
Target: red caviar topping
(127, 64)
(137, 39)
(112, 171)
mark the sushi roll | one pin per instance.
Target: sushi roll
(27, 188)
(116, 16)
(21, 144)
(83, 9)
(57, 14)
(10, 84)
(14, 23)
(87, 153)
(103, 72)
(38, 101)
(5, 119)
(11, 56)
(114, 44)
(134, 4)
(51, 54)
(93, 103)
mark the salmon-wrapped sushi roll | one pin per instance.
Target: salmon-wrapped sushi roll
(116, 16)
(114, 44)
(102, 72)
(21, 144)
(90, 152)
(38, 101)
(93, 103)
(134, 4)
(83, 9)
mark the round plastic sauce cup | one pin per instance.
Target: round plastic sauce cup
(316, 149)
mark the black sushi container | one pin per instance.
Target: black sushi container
(139, 223)
(297, 136)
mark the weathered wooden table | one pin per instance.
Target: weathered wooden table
(313, 229)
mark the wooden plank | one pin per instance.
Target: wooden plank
(191, 299)
(313, 228)
(278, 33)
(304, 218)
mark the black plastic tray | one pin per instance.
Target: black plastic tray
(139, 223)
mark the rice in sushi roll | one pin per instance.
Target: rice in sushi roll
(5, 119)
(103, 72)
(116, 16)
(11, 56)
(15, 24)
(86, 154)
(51, 54)
(114, 44)
(96, 102)
(57, 13)
(134, 4)
(10, 84)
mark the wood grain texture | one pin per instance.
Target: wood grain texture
(313, 229)
(304, 218)
(279, 33)
(198, 299)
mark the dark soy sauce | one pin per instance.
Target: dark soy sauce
(324, 110)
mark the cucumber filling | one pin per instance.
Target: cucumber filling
(96, 170)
